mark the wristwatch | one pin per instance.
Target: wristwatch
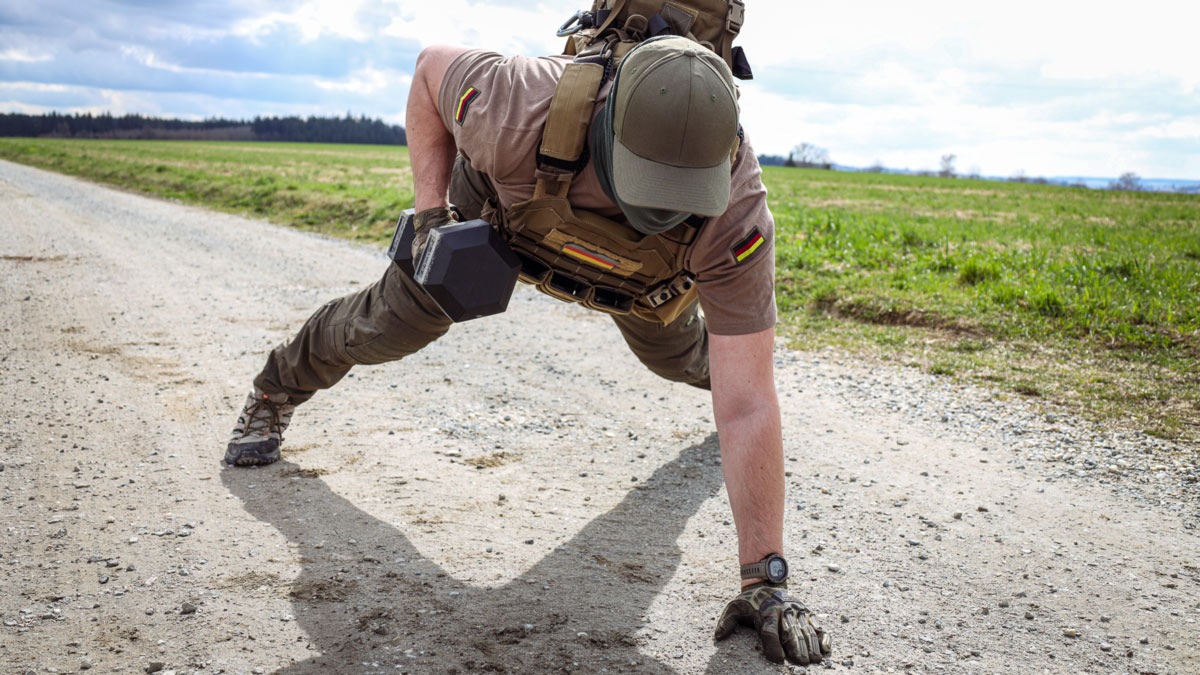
(773, 568)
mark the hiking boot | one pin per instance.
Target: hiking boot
(259, 430)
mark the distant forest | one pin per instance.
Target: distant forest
(346, 129)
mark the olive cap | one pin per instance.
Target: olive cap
(675, 121)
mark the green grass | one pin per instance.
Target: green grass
(1085, 298)
(351, 191)
(1079, 299)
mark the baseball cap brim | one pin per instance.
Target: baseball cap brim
(647, 184)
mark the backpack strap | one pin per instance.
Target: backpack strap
(608, 16)
(562, 153)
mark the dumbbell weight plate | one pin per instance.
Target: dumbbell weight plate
(400, 250)
(468, 269)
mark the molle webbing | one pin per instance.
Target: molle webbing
(578, 256)
(712, 23)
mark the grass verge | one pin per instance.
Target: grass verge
(1088, 301)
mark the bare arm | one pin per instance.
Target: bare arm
(746, 409)
(430, 146)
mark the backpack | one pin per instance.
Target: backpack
(615, 26)
(599, 38)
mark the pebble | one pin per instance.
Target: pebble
(833, 568)
(187, 608)
(1070, 632)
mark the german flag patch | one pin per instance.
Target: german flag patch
(746, 247)
(464, 103)
(590, 257)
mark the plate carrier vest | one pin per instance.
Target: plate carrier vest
(583, 257)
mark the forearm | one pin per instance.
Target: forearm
(752, 457)
(746, 409)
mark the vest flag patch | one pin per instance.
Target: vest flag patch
(748, 246)
(464, 102)
(591, 257)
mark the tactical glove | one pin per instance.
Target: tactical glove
(424, 223)
(785, 627)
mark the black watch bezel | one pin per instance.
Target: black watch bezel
(771, 561)
(763, 569)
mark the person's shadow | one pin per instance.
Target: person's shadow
(579, 608)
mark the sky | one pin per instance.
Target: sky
(1050, 88)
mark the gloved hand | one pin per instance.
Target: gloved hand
(785, 627)
(424, 223)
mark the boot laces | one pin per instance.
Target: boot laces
(264, 417)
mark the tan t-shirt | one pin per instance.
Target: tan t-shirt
(496, 106)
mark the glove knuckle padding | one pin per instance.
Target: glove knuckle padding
(795, 642)
(785, 626)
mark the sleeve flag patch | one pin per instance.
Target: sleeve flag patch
(748, 246)
(464, 103)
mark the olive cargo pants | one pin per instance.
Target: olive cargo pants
(395, 317)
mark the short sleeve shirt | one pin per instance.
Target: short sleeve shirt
(495, 107)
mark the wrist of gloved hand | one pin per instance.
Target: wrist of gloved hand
(785, 627)
(425, 222)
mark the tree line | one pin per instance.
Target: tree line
(809, 156)
(348, 129)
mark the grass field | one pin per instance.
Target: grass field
(1088, 301)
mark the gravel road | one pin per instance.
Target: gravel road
(521, 497)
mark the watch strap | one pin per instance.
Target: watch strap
(755, 570)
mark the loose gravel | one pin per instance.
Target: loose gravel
(521, 496)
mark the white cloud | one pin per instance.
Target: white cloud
(526, 28)
(366, 81)
(1061, 87)
(312, 19)
(33, 87)
(22, 56)
(1048, 87)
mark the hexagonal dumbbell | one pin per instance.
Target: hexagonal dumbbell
(400, 250)
(465, 267)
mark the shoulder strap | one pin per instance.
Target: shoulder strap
(565, 134)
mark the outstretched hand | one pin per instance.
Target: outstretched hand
(785, 627)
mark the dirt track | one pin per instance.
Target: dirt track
(520, 497)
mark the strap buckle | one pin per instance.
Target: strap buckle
(672, 289)
(735, 17)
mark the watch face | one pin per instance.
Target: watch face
(776, 569)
